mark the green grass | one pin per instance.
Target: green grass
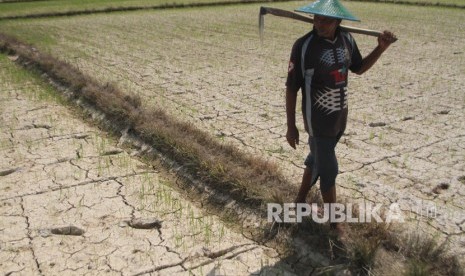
(422, 2)
(39, 90)
(62, 6)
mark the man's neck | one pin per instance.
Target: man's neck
(332, 36)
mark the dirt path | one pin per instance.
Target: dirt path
(74, 203)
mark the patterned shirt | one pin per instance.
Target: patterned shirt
(322, 77)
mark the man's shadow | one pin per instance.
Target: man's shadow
(310, 249)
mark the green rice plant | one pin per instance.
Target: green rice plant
(221, 233)
(148, 178)
(100, 144)
(178, 240)
(124, 161)
(191, 218)
(158, 197)
(142, 192)
(380, 136)
(418, 268)
(4, 143)
(179, 210)
(395, 163)
(29, 144)
(167, 196)
(99, 167)
(50, 119)
(207, 232)
(80, 151)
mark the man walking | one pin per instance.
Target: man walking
(319, 66)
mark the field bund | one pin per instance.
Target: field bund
(405, 141)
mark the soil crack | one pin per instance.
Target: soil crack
(29, 236)
(84, 183)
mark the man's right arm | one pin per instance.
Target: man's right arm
(293, 85)
(292, 134)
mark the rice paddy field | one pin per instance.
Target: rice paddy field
(458, 3)
(25, 8)
(47, 7)
(405, 141)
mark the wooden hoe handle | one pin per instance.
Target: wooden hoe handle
(296, 16)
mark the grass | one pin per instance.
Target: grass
(426, 255)
(22, 9)
(451, 3)
(418, 268)
(41, 92)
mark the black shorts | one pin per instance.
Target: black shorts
(322, 160)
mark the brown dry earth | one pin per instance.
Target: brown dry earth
(405, 142)
(72, 202)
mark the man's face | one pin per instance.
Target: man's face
(325, 26)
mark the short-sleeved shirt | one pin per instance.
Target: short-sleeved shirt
(322, 77)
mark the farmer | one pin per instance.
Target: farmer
(319, 66)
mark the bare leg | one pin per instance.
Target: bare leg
(305, 186)
(330, 197)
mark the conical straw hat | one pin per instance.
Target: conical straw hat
(329, 8)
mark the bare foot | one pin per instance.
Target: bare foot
(339, 230)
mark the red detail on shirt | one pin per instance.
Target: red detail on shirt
(338, 76)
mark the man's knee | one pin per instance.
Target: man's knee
(329, 170)
(327, 182)
(328, 176)
(325, 186)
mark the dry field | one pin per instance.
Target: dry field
(405, 140)
(74, 201)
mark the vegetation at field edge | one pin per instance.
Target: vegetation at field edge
(35, 8)
(62, 7)
(442, 3)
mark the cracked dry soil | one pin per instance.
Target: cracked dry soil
(405, 140)
(72, 203)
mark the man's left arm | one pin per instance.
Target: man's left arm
(384, 41)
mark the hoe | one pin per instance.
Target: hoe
(296, 16)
